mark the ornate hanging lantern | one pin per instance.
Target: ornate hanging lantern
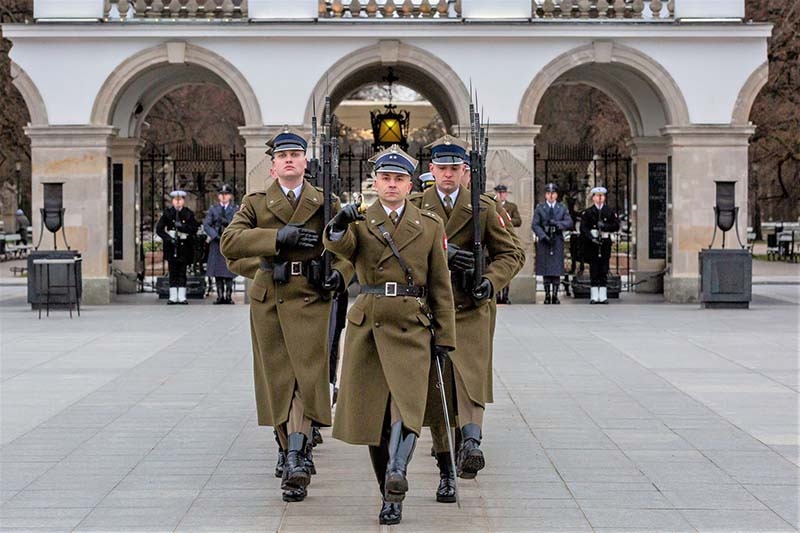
(390, 126)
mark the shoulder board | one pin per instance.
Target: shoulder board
(254, 193)
(320, 189)
(430, 214)
(415, 195)
(488, 199)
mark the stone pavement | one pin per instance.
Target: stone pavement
(632, 416)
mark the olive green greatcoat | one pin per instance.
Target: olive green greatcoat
(288, 322)
(387, 347)
(473, 360)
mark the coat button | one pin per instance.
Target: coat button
(380, 269)
(377, 324)
(280, 300)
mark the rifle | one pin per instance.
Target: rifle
(330, 172)
(312, 171)
(477, 181)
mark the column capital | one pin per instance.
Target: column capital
(647, 146)
(127, 147)
(71, 136)
(708, 135)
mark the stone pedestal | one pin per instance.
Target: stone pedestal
(649, 158)
(79, 157)
(699, 155)
(126, 152)
(726, 278)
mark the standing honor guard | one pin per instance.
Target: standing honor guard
(550, 220)
(177, 228)
(472, 361)
(598, 222)
(290, 305)
(399, 252)
(217, 219)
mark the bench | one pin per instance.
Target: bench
(18, 270)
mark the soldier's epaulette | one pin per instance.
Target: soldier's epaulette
(320, 189)
(431, 214)
(254, 193)
(415, 195)
(489, 199)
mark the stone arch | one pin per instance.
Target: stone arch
(747, 96)
(148, 60)
(437, 81)
(601, 54)
(30, 93)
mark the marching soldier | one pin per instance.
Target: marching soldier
(399, 252)
(550, 220)
(472, 362)
(177, 228)
(290, 304)
(217, 219)
(511, 213)
(598, 222)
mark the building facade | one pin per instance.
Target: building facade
(685, 73)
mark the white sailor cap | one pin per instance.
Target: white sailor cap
(599, 190)
(177, 194)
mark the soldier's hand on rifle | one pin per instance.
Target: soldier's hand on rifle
(334, 282)
(601, 225)
(545, 239)
(297, 237)
(483, 291)
(441, 352)
(345, 217)
(459, 259)
(179, 226)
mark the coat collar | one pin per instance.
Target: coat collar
(462, 213)
(310, 200)
(409, 227)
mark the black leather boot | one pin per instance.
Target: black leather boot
(228, 291)
(546, 293)
(295, 473)
(309, 459)
(316, 436)
(281, 457)
(401, 447)
(470, 457)
(295, 495)
(390, 513)
(555, 299)
(446, 493)
(220, 291)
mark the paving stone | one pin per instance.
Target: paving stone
(643, 519)
(735, 520)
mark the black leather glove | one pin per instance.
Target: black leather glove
(601, 225)
(441, 352)
(545, 239)
(334, 282)
(459, 259)
(297, 237)
(552, 224)
(179, 226)
(483, 291)
(345, 216)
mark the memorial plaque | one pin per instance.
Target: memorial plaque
(657, 210)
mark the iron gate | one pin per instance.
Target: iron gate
(198, 170)
(576, 169)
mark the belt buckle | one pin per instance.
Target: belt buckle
(390, 289)
(296, 268)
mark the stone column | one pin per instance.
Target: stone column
(699, 155)
(510, 161)
(79, 157)
(644, 152)
(125, 152)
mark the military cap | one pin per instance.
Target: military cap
(177, 194)
(599, 190)
(394, 159)
(225, 189)
(426, 180)
(551, 187)
(448, 150)
(501, 188)
(286, 140)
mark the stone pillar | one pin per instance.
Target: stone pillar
(257, 163)
(126, 152)
(79, 157)
(699, 155)
(646, 151)
(510, 161)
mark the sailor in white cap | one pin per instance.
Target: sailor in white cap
(177, 228)
(598, 222)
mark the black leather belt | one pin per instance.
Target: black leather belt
(392, 288)
(296, 268)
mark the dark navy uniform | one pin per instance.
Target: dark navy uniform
(177, 229)
(597, 225)
(550, 221)
(217, 219)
